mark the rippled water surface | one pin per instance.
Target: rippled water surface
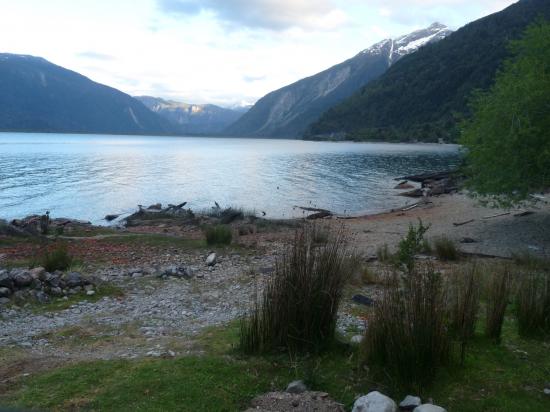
(89, 176)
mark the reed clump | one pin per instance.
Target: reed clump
(297, 309)
(499, 282)
(532, 304)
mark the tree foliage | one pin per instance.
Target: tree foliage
(508, 136)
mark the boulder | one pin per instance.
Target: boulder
(41, 297)
(404, 185)
(37, 272)
(156, 206)
(74, 279)
(110, 218)
(211, 259)
(428, 407)
(374, 402)
(22, 279)
(296, 387)
(5, 280)
(410, 402)
(5, 292)
(4, 301)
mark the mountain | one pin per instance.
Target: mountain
(426, 93)
(38, 96)
(287, 112)
(193, 118)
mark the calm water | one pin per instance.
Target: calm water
(89, 176)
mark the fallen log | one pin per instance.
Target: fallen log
(319, 215)
(524, 213)
(313, 209)
(497, 215)
(463, 223)
(420, 178)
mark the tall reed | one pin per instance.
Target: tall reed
(498, 294)
(532, 304)
(298, 307)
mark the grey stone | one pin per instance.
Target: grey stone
(357, 339)
(546, 391)
(37, 272)
(41, 297)
(90, 292)
(211, 259)
(5, 292)
(410, 402)
(374, 402)
(22, 279)
(296, 387)
(56, 291)
(428, 407)
(6, 281)
(73, 279)
(4, 301)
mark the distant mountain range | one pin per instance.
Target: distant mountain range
(193, 118)
(38, 96)
(289, 111)
(426, 93)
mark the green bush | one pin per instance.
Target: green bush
(407, 336)
(298, 307)
(532, 304)
(411, 245)
(383, 254)
(445, 249)
(57, 259)
(218, 235)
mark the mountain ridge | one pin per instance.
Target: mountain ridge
(288, 111)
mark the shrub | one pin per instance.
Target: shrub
(218, 235)
(445, 249)
(298, 307)
(411, 245)
(383, 254)
(407, 335)
(56, 259)
(463, 299)
(498, 292)
(532, 304)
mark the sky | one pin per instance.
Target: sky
(226, 52)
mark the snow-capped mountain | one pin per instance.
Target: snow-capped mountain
(289, 111)
(192, 118)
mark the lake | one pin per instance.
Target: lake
(89, 176)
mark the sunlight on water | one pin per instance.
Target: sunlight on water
(89, 176)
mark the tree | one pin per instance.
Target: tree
(508, 136)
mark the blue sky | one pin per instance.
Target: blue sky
(217, 51)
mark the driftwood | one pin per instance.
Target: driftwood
(464, 223)
(412, 193)
(484, 255)
(524, 213)
(319, 215)
(421, 178)
(497, 215)
(313, 209)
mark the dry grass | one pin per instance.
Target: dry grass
(498, 293)
(532, 304)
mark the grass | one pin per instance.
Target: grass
(218, 235)
(532, 304)
(56, 258)
(498, 293)
(298, 306)
(445, 249)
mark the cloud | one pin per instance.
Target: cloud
(263, 14)
(250, 79)
(95, 56)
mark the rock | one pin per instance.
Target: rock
(211, 259)
(156, 206)
(374, 402)
(467, 240)
(363, 300)
(56, 291)
(37, 272)
(410, 402)
(4, 301)
(73, 279)
(428, 407)
(90, 293)
(296, 387)
(53, 280)
(41, 297)
(357, 339)
(546, 391)
(5, 292)
(110, 218)
(404, 185)
(6, 281)
(22, 279)
(177, 271)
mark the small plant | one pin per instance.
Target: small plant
(463, 298)
(407, 335)
(498, 292)
(532, 304)
(445, 249)
(411, 245)
(298, 307)
(56, 259)
(218, 235)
